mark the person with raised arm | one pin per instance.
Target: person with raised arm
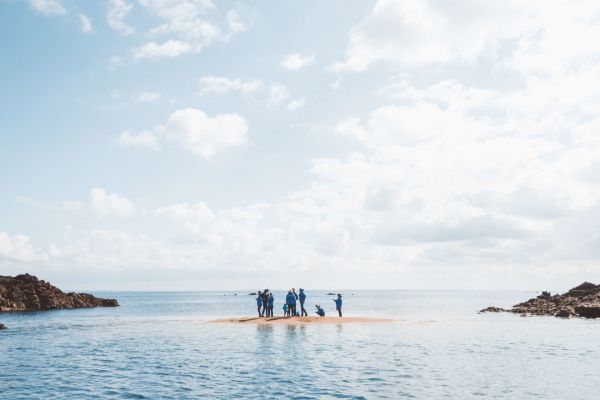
(338, 304)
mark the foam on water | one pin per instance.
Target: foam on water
(159, 345)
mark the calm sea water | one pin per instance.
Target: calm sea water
(159, 346)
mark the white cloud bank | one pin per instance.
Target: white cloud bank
(18, 248)
(48, 7)
(454, 181)
(193, 130)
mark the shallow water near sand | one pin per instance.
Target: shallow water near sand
(159, 346)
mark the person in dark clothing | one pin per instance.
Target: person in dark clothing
(338, 304)
(302, 297)
(265, 302)
(270, 305)
(259, 303)
(295, 301)
(285, 310)
(320, 311)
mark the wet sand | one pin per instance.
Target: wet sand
(302, 320)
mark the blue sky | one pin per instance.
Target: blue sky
(190, 144)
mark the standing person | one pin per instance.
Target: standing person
(302, 297)
(295, 301)
(291, 303)
(265, 302)
(259, 303)
(285, 310)
(338, 304)
(270, 305)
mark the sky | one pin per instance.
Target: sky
(204, 145)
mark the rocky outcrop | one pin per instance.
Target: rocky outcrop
(2, 326)
(26, 292)
(581, 301)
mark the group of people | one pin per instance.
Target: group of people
(265, 302)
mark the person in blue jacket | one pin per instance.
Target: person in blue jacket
(285, 310)
(291, 302)
(270, 305)
(259, 303)
(338, 304)
(320, 312)
(302, 297)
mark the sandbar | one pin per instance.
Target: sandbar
(302, 320)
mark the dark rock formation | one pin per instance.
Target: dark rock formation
(581, 301)
(2, 326)
(588, 311)
(26, 292)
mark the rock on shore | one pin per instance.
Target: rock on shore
(26, 292)
(581, 301)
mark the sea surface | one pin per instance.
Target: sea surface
(160, 346)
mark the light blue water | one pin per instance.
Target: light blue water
(159, 346)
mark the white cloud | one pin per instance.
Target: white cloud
(116, 14)
(86, 23)
(278, 93)
(296, 61)
(149, 97)
(188, 22)
(106, 204)
(194, 130)
(48, 7)
(18, 248)
(142, 139)
(55, 206)
(296, 104)
(222, 85)
(424, 32)
(170, 48)
(235, 22)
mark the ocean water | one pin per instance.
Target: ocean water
(160, 346)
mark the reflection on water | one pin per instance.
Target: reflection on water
(156, 346)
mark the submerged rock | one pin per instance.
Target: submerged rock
(492, 309)
(26, 292)
(2, 326)
(581, 301)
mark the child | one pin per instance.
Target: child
(285, 310)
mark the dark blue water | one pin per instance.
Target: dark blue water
(159, 346)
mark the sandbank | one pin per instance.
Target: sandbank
(302, 320)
